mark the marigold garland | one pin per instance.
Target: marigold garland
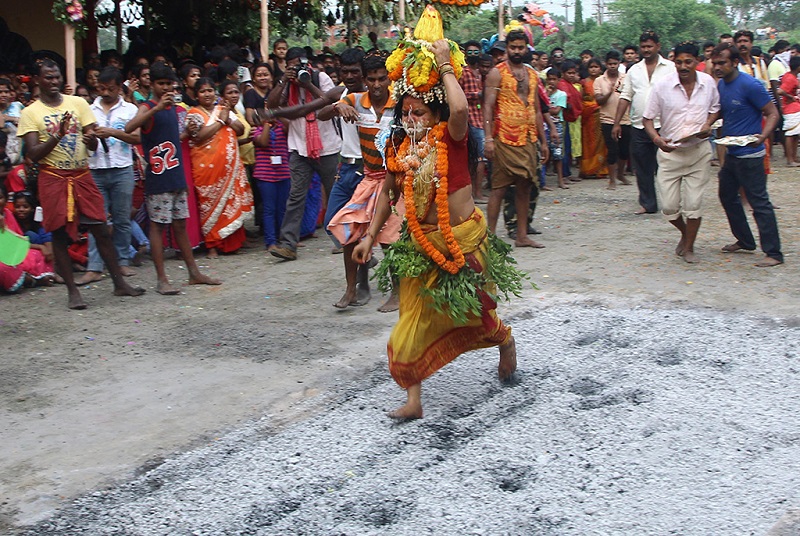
(397, 163)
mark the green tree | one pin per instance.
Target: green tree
(578, 25)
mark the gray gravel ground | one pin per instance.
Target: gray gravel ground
(621, 421)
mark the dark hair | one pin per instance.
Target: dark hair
(756, 51)
(28, 196)
(596, 61)
(613, 55)
(137, 69)
(224, 85)
(725, 36)
(781, 45)
(630, 47)
(744, 33)
(203, 81)
(47, 63)
(516, 35)
(351, 56)
(649, 35)
(296, 52)
(6, 82)
(373, 62)
(796, 47)
(3, 138)
(687, 48)
(225, 68)
(161, 71)
(794, 63)
(587, 51)
(709, 44)
(110, 74)
(186, 69)
(3, 191)
(471, 43)
(553, 51)
(554, 71)
(278, 41)
(732, 49)
(567, 65)
(487, 58)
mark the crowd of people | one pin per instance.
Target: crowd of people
(155, 151)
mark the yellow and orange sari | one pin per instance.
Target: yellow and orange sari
(220, 180)
(424, 340)
(593, 159)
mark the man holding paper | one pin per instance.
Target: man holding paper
(687, 101)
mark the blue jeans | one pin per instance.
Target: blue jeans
(749, 174)
(479, 135)
(349, 177)
(116, 185)
(274, 196)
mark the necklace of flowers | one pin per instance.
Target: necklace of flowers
(408, 166)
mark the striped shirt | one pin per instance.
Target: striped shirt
(369, 125)
(272, 163)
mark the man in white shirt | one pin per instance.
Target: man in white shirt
(635, 89)
(111, 166)
(687, 101)
(313, 145)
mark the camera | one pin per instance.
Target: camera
(302, 71)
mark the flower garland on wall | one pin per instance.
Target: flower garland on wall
(72, 13)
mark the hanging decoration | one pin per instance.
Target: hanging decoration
(73, 13)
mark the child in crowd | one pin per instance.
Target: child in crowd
(34, 270)
(25, 212)
(165, 184)
(558, 101)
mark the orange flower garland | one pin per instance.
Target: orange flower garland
(398, 164)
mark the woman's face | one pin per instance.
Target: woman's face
(262, 78)
(594, 70)
(231, 94)
(5, 96)
(206, 95)
(191, 78)
(23, 210)
(417, 116)
(91, 78)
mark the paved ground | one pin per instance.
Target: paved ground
(653, 397)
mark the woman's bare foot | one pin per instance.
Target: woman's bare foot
(166, 289)
(391, 305)
(202, 279)
(407, 412)
(75, 301)
(527, 243)
(508, 360)
(88, 277)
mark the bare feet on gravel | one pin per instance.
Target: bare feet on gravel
(768, 262)
(88, 277)
(680, 248)
(125, 289)
(349, 298)
(127, 271)
(690, 257)
(76, 302)
(508, 360)
(166, 289)
(732, 248)
(407, 412)
(202, 279)
(527, 243)
(391, 305)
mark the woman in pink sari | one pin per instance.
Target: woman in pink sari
(34, 269)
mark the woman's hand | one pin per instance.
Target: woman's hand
(441, 51)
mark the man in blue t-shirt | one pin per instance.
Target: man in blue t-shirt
(744, 101)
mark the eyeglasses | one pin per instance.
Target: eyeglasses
(557, 56)
(473, 52)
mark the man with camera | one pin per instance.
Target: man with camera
(313, 145)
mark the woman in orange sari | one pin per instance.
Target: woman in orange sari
(593, 161)
(220, 179)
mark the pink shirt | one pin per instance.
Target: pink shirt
(680, 114)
